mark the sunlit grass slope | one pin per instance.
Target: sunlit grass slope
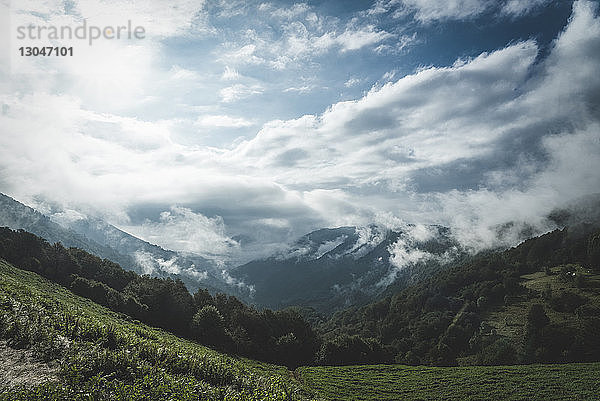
(105, 355)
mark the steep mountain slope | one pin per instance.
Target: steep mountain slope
(83, 351)
(220, 320)
(333, 268)
(194, 270)
(16, 215)
(106, 241)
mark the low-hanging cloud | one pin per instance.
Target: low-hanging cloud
(158, 266)
(182, 229)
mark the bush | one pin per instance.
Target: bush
(567, 301)
(500, 352)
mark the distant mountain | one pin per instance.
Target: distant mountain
(333, 268)
(106, 241)
(195, 271)
(16, 215)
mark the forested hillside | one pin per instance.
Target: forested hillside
(491, 310)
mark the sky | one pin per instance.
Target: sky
(233, 127)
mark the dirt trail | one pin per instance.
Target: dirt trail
(20, 368)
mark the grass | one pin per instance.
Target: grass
(398, 382)
(106, 355)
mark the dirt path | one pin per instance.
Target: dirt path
(21, 368)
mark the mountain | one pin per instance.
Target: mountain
(107, 241)
(221, 321)
(333, 268)
(16, 215)
(537, 302)
(194, 270)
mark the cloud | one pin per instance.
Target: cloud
(477, 133)
(232, 281)
(357, 39)
(423, 120)
(428, 11)
(285, 12)
(431, 10)
(158, 18)
(298, 35)
(517, 8)
(220, 121)
(179, 73)
(239, 91)
(158, 266)
(230, 74)
(403, 253)
(182, 229)
(300, 89)
(352, 82)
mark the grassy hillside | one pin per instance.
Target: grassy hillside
(581, 286)
(101, 354)
(399, 382)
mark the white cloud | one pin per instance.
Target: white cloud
(365, 36)
(157, 266)
(245, 54)
(427, 11)
(181, 229)
(403, 253)
(237, 282)
(222, 121)
(352, 82)
(426, 119)
(298, 40)
(158, 18)
(439, 119)
(286, 12)
(518, 8)
(179, 73)
(300, 89)
(239, 91)
(386, 155)
(230, 74)
(431, 10)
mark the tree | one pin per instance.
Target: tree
(208, 326)
(536, 318)
(593, 252)
(202, 298)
